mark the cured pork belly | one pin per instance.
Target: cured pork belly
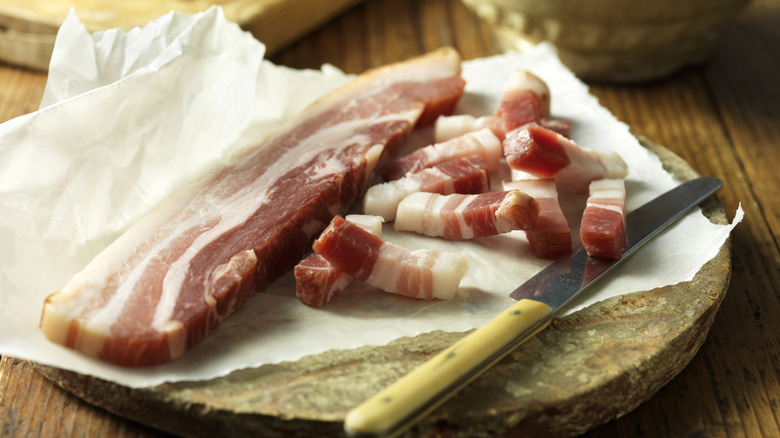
(317, 281)
(483, 143)
(459, 175)
(546, 154)
(170, 280)
(461, 217)
(449, 127)
(424, 274)
(550, 236)
(526, 100)
(603, 228)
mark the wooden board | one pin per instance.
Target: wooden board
(584, 370)
(28, 28)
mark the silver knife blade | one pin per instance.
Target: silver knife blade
(400, 405)
(573, 273)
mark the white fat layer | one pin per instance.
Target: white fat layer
(383, 199)
(448, 271)
(387, 267)
(523, 80)
(370, 223)
(492, 147)
(465, 230)
(449, 127)
(608, 188)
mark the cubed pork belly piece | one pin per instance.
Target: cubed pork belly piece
(546, 154)
(424, 274)
(483, 143)
(171, 279)
(460, 175)
(461, 217)
(526, 100)
(550, 236)
(317, 281)
(603, 228)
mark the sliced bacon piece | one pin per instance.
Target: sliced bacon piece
(546, 154)
(603, 228)
(317, 281)
(550, 236)
(460, 217)
(424, 274)
(526, 100)
(175, 275)
(460, 175)
(483, 143)
(449, 127)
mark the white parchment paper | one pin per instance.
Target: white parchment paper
(128, 118)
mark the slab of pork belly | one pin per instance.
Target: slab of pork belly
(546, 154)
(483, 143)
(171, 279)
(603, 228)
(317, 281)
(461, 217)
(460, 175)
(424, 274)
(550, 236)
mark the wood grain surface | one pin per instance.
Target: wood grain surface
(722, 117)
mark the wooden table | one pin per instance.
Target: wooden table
(723, 117)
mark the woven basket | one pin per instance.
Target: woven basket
(613, 40)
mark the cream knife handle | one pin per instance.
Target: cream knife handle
(406, 401)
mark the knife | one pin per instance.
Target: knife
(399, 406)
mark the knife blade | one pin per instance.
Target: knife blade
(402, 404)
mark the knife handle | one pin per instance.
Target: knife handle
(399, 406)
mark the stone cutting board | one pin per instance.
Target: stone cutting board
(584, 370)
(28, 27)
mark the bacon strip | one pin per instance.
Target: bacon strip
(603, 228)
(317, 281)
(483, 143)
(547, 154)
(459, 175)
(424, 274)
(460, 217)
(172, 278)
(550, 237)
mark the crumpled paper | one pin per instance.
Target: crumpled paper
(129, 118)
